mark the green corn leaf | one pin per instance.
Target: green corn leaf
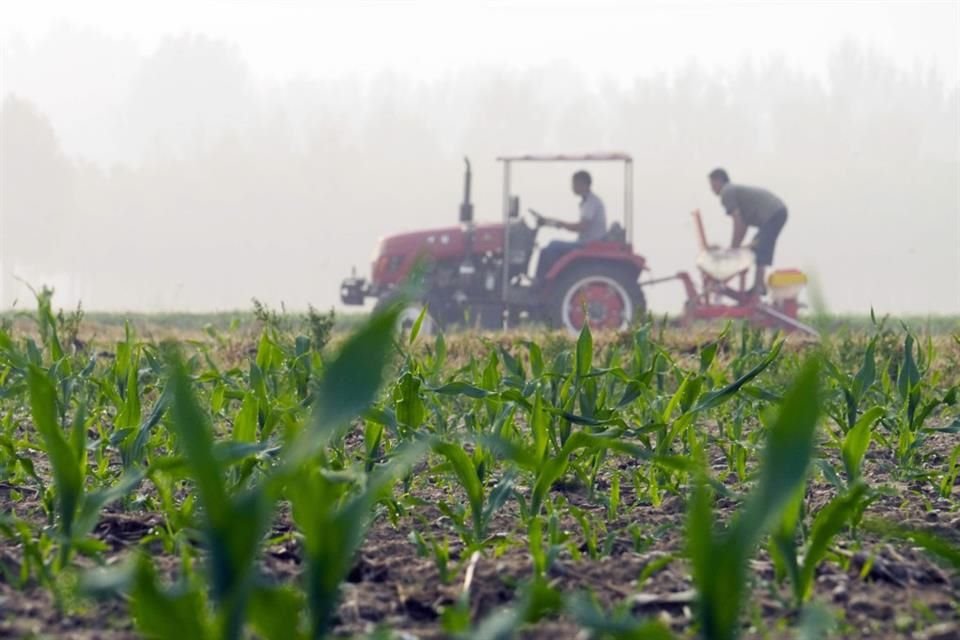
(857, 440)
(789, 447)
(760, 393)
(372, 437)
(134, 450)
(783, 549)
(553, 468)
(953, 427)
(816, 621)
(440, 353)
(48, 324)
(868, 371)
(34, 356)
(130, 414)
(830, 474)
(826, 525)
(385, 417)
(719, 562)
(196, 439)
(230, 452)
(708, 352)
(461, 389)
(584, 351)
(675, 399)
(246, 422)
(9, 349)
(540, 427)
(78, 436)
(633, 390)
(275, 612)
(512, 365)
(573, 418)
(234, 525)
(269, 356)
(933, 543)
(615, 625)
(718, 397)
(163, 615)
(96, 500)
(691, 392)
(909, 375)
(499, 495)
(490, 378)
(549, 472)
(417, 324)
(67, 472)
(536, 600)
(509, 450)
(409, 406)
(700, 536)
(121, 367)
(352, 379)
(334, 525)
(536, 359)
(466, 473)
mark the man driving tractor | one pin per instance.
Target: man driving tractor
(591, 226)
(751, 207)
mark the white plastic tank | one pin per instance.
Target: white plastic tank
(722, 264)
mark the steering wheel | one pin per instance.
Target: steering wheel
(539, 220)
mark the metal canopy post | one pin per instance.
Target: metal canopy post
(628, 200)
(505, 285)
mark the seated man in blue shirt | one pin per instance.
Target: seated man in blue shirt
(591, 226)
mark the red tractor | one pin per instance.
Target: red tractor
(480, 275)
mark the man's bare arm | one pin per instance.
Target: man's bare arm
(560, 224)
(739, 229)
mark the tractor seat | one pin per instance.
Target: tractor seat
(616, 233)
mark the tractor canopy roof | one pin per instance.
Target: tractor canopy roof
(615, 156)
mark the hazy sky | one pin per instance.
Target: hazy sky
(91, 68)
(424, 38)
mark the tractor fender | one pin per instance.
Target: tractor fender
(596, 254)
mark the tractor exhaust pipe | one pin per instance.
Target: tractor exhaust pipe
(466, 207)
(467, 268)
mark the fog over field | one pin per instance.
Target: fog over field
(192, 155)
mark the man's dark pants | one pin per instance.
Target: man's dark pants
(553, 252)
(766, 238)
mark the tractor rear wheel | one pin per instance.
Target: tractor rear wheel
(606, 296)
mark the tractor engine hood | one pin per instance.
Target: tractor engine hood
(397, 254)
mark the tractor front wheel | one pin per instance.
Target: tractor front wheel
(408, 316)
(605, 296)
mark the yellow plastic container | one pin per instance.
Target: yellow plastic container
(786, 284)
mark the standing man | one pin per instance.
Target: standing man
(751, 207)
(591, 226)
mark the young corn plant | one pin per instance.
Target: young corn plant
(483, 505)
(331, 507)
(77, 508)
(333, 512)
(720, 557)
(232, 526)
(800, 564)
(917, 403)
